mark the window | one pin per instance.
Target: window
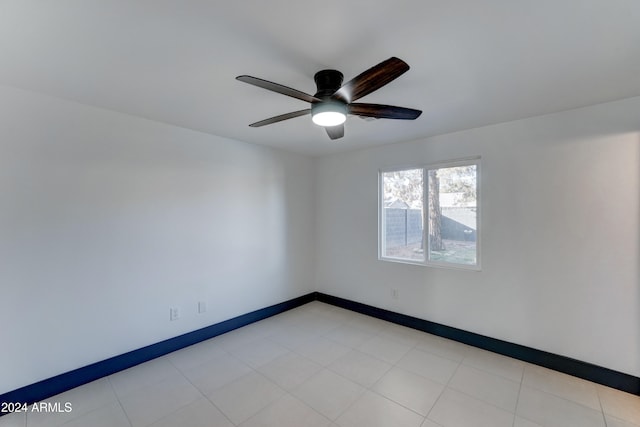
(429, 215)
(402, 217)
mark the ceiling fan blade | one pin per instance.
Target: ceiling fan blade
(275, 87)
(372, 79)
(280, 118)
(383, 111)
(335, 132)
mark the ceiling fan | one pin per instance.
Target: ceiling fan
(333, 100)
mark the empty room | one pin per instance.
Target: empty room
(327, 214)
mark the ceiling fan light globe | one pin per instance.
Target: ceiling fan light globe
(329, 118)
(328, 113)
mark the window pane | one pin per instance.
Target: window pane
(453, 221)
(402, 225)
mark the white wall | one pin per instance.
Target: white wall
(560, 234)
(107, 220)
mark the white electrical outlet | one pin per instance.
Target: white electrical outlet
(174, 313)
(202, 307)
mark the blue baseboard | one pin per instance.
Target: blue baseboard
(567, 365)
(63, 382)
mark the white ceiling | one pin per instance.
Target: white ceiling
(473, 62)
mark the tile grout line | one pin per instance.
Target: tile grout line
(343, 377)
(443, 390)
(604, 418)
(566, 399)
(480, 400)
(486, 371)
(204, 396)
(285, 392)
(515, 411)
(365, 388)
(395, 366)
(119, 402)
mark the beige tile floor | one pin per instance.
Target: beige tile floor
(320, 365)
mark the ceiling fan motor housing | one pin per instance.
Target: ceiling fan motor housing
(327, 82)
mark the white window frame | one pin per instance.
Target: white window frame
(381, 213)
(425, 211)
